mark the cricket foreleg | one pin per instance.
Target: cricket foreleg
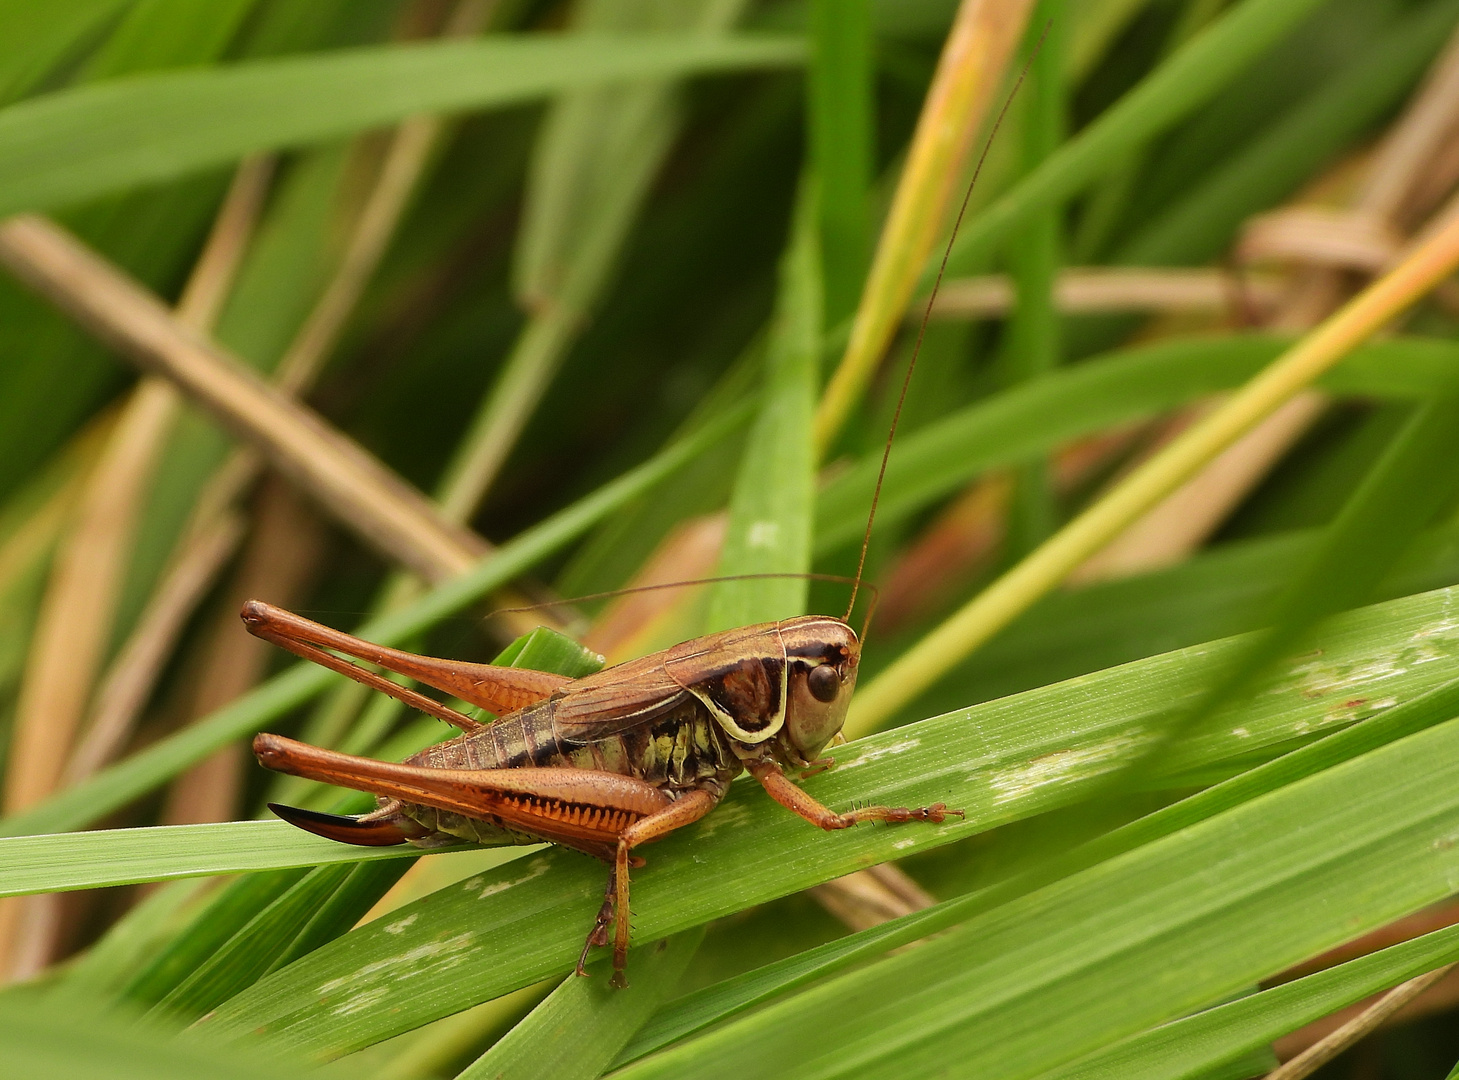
(784, 791)
(686, 809)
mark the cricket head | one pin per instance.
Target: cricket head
(822, 655)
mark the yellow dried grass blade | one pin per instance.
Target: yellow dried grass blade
(973, 60)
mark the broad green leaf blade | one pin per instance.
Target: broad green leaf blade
(1414, 478)
(769, 528)
(78, 144)
(1190, 1046)
(1138, 940)
(1096, 395)
(59, 862)
(576, 1032)
(140, 773)
(699, 1010)
(1002, 761)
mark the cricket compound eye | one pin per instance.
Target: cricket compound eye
(823, 683)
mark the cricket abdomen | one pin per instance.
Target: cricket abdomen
(682, 749)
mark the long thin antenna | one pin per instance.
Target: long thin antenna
(840, 579)
(927, 315)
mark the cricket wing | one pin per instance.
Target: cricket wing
(616, 700)
(642, 690)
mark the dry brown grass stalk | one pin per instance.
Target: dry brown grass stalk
(1094, 290)
(353, 485)
(872, 896)
(983, 37)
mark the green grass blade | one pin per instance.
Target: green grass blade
(1227, 591)
(1191, 1046)
(134, 940)
(1056, 974)
(577, 1031)
(249, 953)
(140, 773)
(36, 34)
(1190, 77)
(1092, 396)
(1032, 343)
(231, 908)
(1003, 761)
(595, 160)
(316, 909)
(86, 860)
(1416, 477)
(770, 510)
(78, 144)
(842, 139)
(721, 1001)
(159, 34)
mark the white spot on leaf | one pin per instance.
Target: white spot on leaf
(763, 534)
(1061, 767)
(731, 815)
(369, 985)
(362, 1001)
(876, 753)
(535, 869)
